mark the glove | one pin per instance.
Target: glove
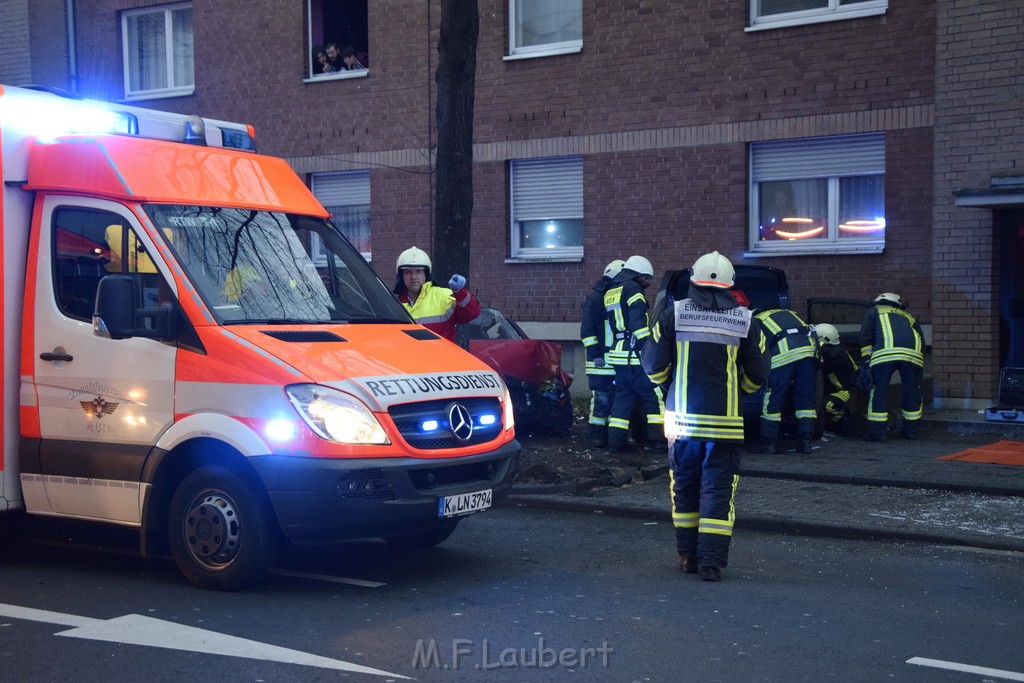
(864, 380)
(456, 283)
(599, 362)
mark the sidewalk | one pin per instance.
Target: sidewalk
(854, 489)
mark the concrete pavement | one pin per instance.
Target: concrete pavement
(855, 489)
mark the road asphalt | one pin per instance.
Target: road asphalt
(850, 488)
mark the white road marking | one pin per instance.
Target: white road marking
(30, 614)
(326, 577)
(967, 668)
(135, 629)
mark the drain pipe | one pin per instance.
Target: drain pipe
(69, 12)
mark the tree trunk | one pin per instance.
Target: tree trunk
(456, 83)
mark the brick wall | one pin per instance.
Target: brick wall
(15, 61)
(978, 133)
(50, 63)
(661, 102)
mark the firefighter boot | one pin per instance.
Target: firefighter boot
(909, 430)
(875, 432)
(710, 573)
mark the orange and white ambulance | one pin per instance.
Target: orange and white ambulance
(191, 348)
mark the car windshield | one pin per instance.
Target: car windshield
(490, 324)
(254, 266)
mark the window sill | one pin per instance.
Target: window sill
(538, 259)
(764, 24)
(158, 94)
(545, 51)
(358, 73)
(820, 251)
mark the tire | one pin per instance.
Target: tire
(424, 539)
(220, 530)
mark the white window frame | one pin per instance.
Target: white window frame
(545, 50)
(310, 43)
(172, 90)
(355, 191)
(553, 188)
(829, 158)
(833, 12)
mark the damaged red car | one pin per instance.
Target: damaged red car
(531, 368)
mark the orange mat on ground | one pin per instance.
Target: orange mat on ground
(998, 453)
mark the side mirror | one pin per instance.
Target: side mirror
(117, 317)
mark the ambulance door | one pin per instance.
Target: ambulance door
(102, 402)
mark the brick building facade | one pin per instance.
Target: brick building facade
(664, 104)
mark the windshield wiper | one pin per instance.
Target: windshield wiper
(280, 321)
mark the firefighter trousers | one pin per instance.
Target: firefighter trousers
(799, 378)
(910, 389)
(704, 477)
(602, 392)
(632, 386)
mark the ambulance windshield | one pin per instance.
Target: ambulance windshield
(265, 267)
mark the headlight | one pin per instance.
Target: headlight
(335, 415)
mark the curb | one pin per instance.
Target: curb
(543, 489)
(850, 479)
(779, 525)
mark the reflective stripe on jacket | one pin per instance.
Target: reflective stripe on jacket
(595, 333)
(788, 336)
(890, 334)
(705, 379)
(626, 310)
(440, 310)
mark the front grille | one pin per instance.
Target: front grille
(432, 477)
(411, 417)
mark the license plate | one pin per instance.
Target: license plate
(464, 503)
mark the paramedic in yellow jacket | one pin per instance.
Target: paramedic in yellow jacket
(439, 309)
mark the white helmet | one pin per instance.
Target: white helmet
(713, 270)
(638, 264)
(613, 268)
(413, 257)
(828, 334)
(889, 298)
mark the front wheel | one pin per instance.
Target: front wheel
(220, 530)
(424, 539)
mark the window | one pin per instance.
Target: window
(347, 197)
(158, 51)
(338, 39)
(547, 208)
(818, 195)
(89, 244)
(544, 27)
(778, 13)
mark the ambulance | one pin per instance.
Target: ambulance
(192, 349)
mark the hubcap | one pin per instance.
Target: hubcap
(211, 529)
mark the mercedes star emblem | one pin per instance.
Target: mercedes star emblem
(461, 422)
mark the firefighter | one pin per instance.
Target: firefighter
(706, 349)
(597, 340)
(891, 341)
(626, 311)
(439, 309)
(840, 373)
(794, 358)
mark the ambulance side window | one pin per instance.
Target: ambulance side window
(90, 244)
